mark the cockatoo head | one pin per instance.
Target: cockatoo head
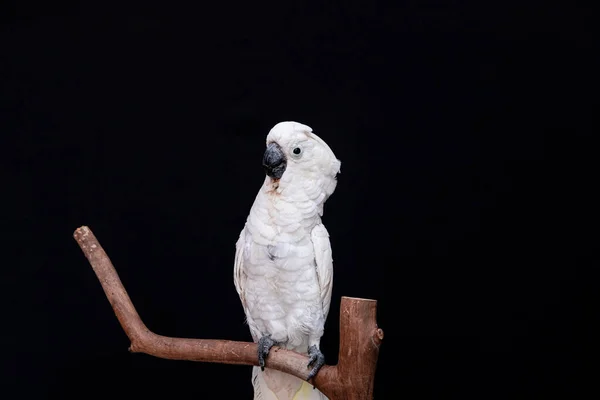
(294, 154)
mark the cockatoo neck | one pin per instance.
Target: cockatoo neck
(303, 190)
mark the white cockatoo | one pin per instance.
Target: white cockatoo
(283, 266)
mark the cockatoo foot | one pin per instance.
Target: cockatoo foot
(316, 360)
(264, 345)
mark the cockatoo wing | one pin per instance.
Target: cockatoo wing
(239, 275)
(324, 264)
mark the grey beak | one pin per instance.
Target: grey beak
(274, 161)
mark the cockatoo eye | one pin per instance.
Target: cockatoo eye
(297, 151)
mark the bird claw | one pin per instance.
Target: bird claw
(264, 345)
(316, 360)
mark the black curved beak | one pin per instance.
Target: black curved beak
(274, 161)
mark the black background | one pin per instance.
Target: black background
(462, 207)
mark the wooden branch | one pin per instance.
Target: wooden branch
(352, 378)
